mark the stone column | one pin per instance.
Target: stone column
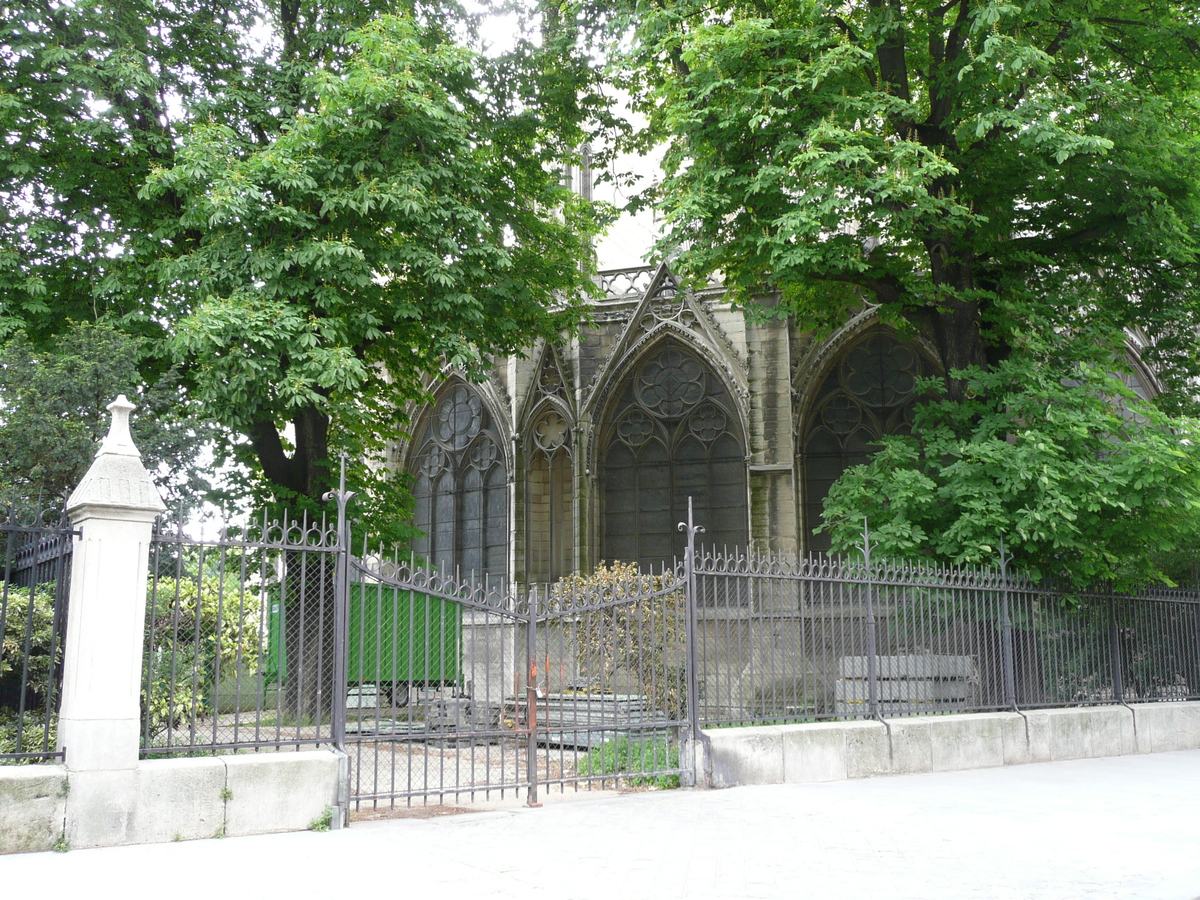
(114, 508)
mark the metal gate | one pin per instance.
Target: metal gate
(35, 576)
(459, 691)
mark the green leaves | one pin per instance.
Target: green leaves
(941, 160)
(1082, 480)
(983, 171)
(409, 216)
(309, 209)
(52, 414)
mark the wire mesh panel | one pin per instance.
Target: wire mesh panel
(434, 665)
(35, 555)
(240, 639)
(461, 692)
(1069, 660)
(1100, 647)
(611, 688)
(783, 640)
(941, 639)
(770, 635)
(1158, 647)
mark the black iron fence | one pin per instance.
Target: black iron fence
(35, 565)
(240, 639)
(785, 640)
(437, 687)
(441, 687)
(459, 690)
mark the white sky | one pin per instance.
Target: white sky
(630, 238)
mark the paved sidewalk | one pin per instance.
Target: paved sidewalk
(1126, 827)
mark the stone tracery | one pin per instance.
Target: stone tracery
(460, 490)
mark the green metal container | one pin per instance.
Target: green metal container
(395, 636)
(401, 636)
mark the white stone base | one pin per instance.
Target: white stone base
(832, 751)
(165, 800)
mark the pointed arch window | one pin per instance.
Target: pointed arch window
(868, 392)
(461, 487)
(673, 433)
(550, 498)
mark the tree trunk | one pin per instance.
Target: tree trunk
(310, 688)
(308, 578)
(953, 325)
(306, 471)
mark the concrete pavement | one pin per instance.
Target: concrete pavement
(1122, 827)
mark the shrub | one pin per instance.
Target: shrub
(29, 654)
(630, 631)
(28, 642)
(641, 759)
(199, 628)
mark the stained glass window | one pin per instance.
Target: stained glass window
(672, 433)
(869, 391)
(550, 530)
(460, 491)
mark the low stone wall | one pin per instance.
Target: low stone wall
(832, 751)
(33, 807)
(42, 807)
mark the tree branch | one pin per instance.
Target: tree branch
(893, 64)
(887, 289)
(268, 447)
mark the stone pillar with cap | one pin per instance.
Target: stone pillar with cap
(114, 509)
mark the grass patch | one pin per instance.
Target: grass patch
(633, 761)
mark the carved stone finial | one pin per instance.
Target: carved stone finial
(117, 481)
(119, 440)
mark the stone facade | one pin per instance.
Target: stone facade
(518, 477)
(587, 450)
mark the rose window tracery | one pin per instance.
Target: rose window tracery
(551, 432)
(673, 433)
(458, 419)
(635, 428)
(707, 423)
(670, 384)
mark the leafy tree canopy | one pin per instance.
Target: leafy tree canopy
(309, 209)
(412, 217)
(949, 161)
(52, 415)
(1080, 478)
(1015, 181)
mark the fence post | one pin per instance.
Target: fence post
(531, 694)
(691, 652)
(1195, 607)
(114, 509)
(1006, 633)
(1114, 649)
(341, 661)
(872, 659)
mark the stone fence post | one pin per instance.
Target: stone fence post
(114, 508)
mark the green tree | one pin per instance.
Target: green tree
(430, 228)
(91, 94)
(952, 162)
(1000, 177)
(52, 415)
(412, 217)
(1081, 479)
